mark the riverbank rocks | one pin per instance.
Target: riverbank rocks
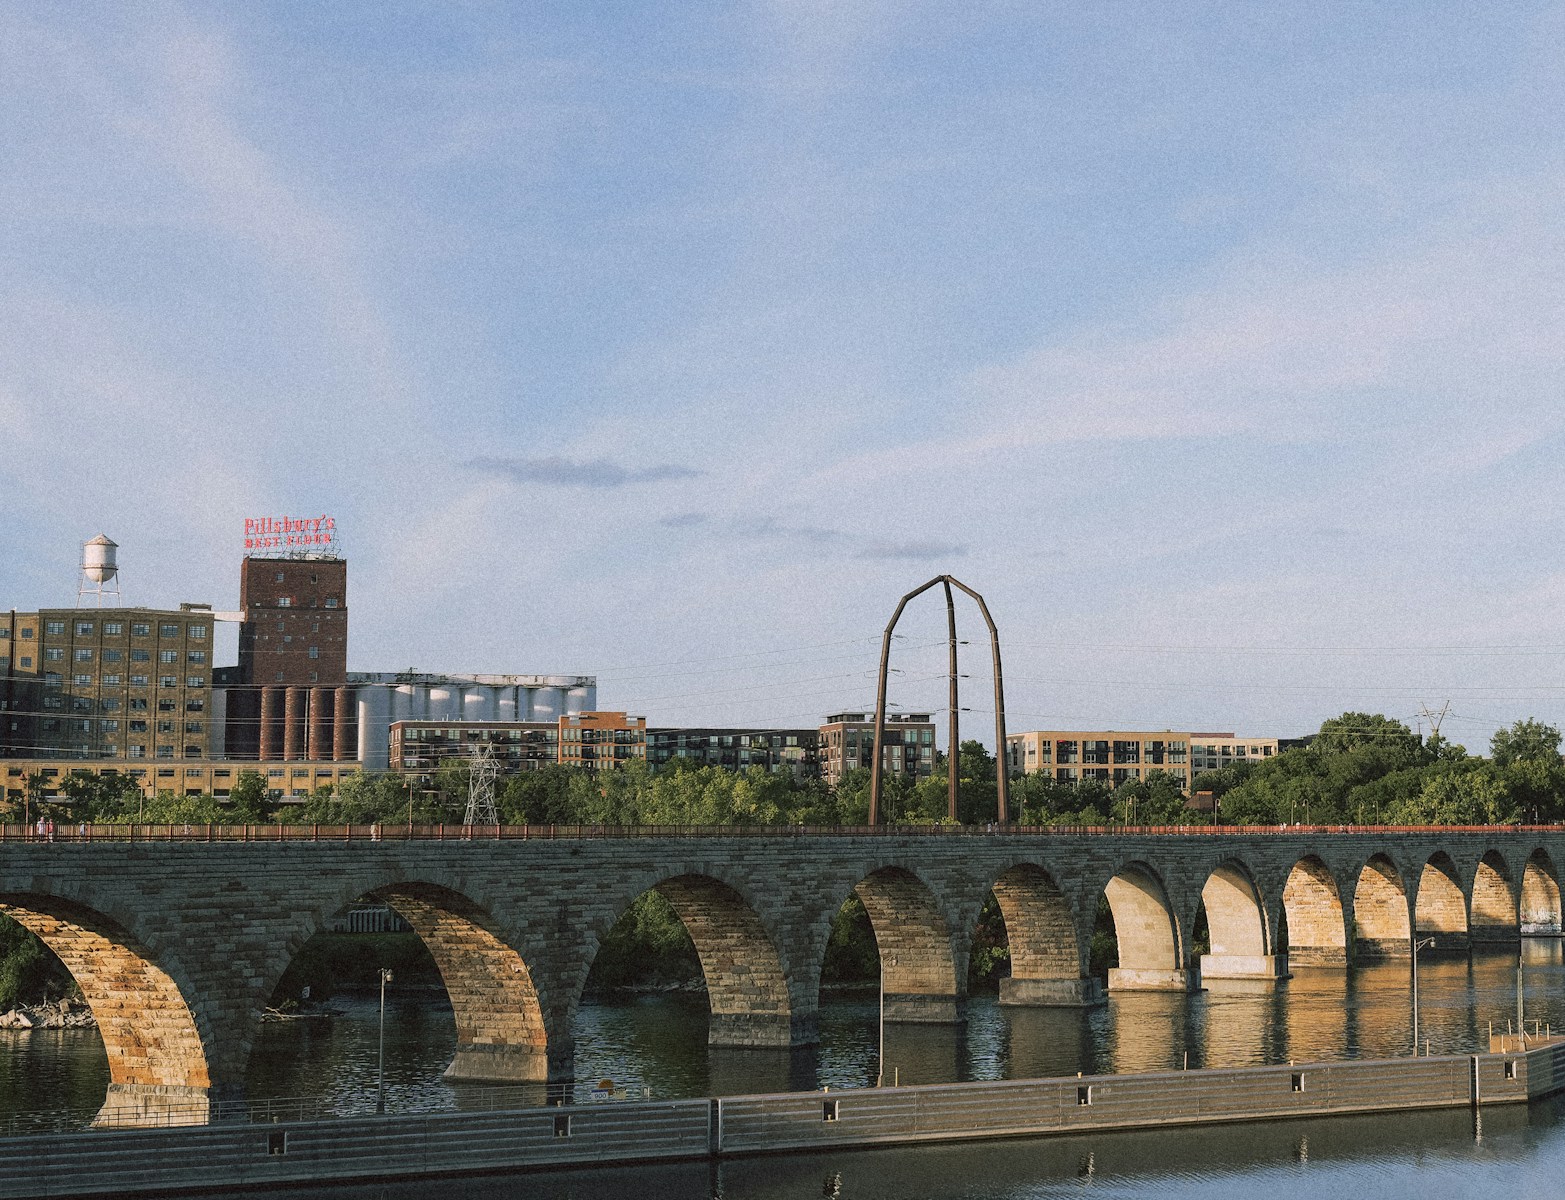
(64, 1015)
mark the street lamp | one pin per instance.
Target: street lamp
(380, 1070)
(1418, 944)
(880, 1073)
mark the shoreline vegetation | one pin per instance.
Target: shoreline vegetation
(1358, 769)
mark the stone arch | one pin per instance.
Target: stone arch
(1440, 907)
(1151, 954)
(1046, 952)
(1242, 945)
(1312, 906)
(918, 964)
(1540, 907)
(158, 1062)
(1382, 924)
(501, 1035)
(1494, 919)
(746, 986)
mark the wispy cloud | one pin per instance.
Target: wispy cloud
(684, 520)
(554, 471)
(912, 551)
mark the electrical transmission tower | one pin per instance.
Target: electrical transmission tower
(481, 776)
(1435, 716)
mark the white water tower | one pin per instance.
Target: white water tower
(100, 572)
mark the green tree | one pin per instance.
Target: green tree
(1476, 796)
(250, 800)
(1525, 741)
(102, 798)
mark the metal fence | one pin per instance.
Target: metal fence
(76, 833)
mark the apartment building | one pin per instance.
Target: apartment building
(1119, 756)
(847, 740)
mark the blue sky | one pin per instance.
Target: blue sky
(1218, 345)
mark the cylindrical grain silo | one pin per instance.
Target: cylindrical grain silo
(341, 724)
(267, 741)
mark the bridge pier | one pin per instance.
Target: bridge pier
(1051, 993)
(138, 1105)
(1256, 967)
(1151, 979)
(924, 1008)
(1318, 956)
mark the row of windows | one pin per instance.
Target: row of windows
(117, 629)
(112, 725)
(53, 679)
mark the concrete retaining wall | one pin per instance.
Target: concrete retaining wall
(157, 1162)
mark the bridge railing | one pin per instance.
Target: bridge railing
(286, 832)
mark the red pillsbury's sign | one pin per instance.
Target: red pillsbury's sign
(289, 533)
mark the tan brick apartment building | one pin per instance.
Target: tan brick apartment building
(1118, 756)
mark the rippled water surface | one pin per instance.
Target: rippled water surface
(657, 1045)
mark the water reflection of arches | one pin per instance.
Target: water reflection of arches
(158, 1059)
(745, 983)
(1312, 907)
(1540, 907)
(1440, 908)
(918, 968)
(1151, 954)
(1242, 947)
(1382, 927)
(1494, 908)
(1047, 965)
(500, 1030)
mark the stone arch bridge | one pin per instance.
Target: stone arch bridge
(179, 937)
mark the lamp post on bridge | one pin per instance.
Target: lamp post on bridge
(1418, 944)
(880, 1070)
(380, 1069)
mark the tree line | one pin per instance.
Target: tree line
(1358, 769)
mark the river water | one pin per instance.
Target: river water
(656, 1046)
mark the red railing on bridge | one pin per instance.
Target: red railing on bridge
(73, 832)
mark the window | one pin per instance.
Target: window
(165, 705)
(192, 751)
(164, 772)
(138, 704)
(113, 628)
(168, 681)
(53, 654)
(140, 656)
(52, 679)
(25, 661)
(165, 752)
(113, 656)
(112, 680)
(140, 629)
(165, 727)
(168, 630)
(1084, 1094)
(138, 727)
(168, 656)
(83, 628)
(111, 705)
(138, 752)
(331, 601)
(198, 632)
(195, 681)
(195, 656)
(1298, 1082)
(111, 727)
(315, 651)
(192, 772)
(285, 602)
(111, 750)
(138, 681)
(27, 634)
(277, 578)
(193, 726)
(829, 1110)
(81, 680)
(196, 705)
(53, 628)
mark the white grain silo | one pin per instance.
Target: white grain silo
(100, 572)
